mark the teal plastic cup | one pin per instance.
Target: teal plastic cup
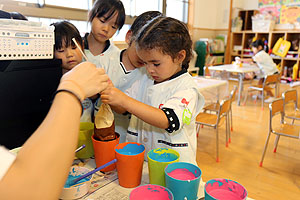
(183, 180)
(221, 188)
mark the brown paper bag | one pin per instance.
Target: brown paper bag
(105, 124)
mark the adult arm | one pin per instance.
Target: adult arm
(42, 165)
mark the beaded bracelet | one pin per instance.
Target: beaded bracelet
(70, 92)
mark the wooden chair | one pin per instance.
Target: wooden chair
(279, 129)
(291, 97)
(270, 80)
(214, 107)
(213, 120)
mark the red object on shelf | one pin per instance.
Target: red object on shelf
(270, 51)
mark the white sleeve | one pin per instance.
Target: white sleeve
(181, 101)
(259, 57)
(6, 160)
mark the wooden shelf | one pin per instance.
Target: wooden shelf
(244, 38)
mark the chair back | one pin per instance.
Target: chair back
(233, 93)
(290, 95)
(271, 79)
(276, 107)
(224, 106)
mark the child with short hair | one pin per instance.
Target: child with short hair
(124, 70)
(106, 17)
(70, 55)
(165, 102)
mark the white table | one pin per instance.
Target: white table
(241, 71)
(212, 89)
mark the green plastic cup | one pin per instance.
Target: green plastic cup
(84, 138)
(158, 159)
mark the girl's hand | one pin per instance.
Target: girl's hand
(113, 96)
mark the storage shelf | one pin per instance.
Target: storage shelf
(243, 38)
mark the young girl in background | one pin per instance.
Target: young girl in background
(264, 61)
(166, 101)
(106, 17)
(70, 55)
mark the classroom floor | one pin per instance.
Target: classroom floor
(279, 178)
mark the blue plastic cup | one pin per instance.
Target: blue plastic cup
(183, 180)
(220, 188)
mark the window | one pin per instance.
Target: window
(178, 9)
(81, 4)
(137, 7)
(174, 8)
(82, 26)
(75, 11)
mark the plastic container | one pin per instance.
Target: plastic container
(80, 188)
(84, 138)
(158, 159)
(183, 180)
(104, 152)
(130, 159)
(151, 192)
(224, 189)
(260, 25)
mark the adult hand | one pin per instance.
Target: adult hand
(84, 80)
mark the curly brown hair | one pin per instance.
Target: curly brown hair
(168, 35)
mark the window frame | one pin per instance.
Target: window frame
(60, 12)
(67, 13)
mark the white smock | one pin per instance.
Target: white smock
(172, 94)
(122, 79)
(104, 59)
(265, 63)
(88, 109)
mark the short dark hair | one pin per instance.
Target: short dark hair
(168, 35)
(109, 7)
(64, 32)
(257, 43)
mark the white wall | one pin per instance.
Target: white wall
(250, 4)
(223, 8)
(205, 14)
(214, 14)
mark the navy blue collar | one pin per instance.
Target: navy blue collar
(182, 71)
(86, 43)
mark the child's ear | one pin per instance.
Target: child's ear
(128, 37)
(181, 56)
